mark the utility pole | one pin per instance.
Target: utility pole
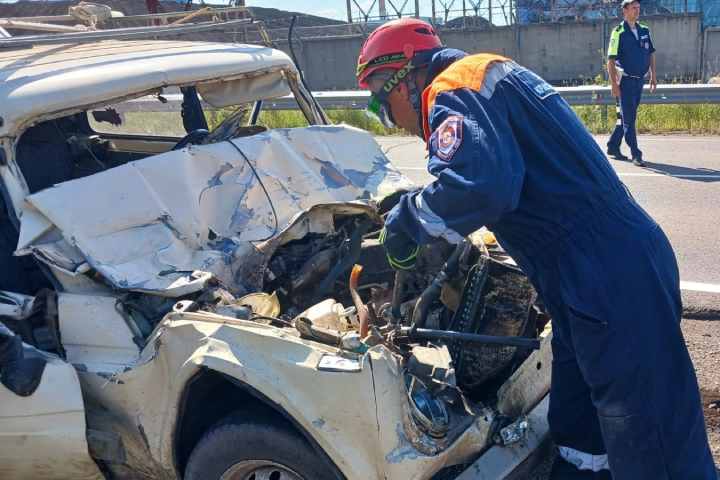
(417, 8)
(349, 11)
(433, 12)
(383, 9)
(490, 14)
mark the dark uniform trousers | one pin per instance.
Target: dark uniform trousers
(630, 95)
(623, 381)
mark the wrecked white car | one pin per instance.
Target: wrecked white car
(216, 305)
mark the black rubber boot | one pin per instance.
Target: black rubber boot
(562, 470)
(616, 154)
(18, 374)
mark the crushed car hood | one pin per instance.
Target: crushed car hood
(148, 225)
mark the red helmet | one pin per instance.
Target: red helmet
(394, 43)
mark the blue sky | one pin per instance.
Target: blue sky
(337, 8)
(325, 8)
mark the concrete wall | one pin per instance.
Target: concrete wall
(678, 41)
(328, 64)
(557, 52)
(561, 53)
(712, 53)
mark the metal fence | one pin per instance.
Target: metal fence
(483, 13)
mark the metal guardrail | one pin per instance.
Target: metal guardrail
(583, 95)
(355, 99)
(665, 94)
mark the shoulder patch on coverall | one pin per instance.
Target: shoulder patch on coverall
(449, 136)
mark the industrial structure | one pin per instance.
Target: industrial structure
(485, 13)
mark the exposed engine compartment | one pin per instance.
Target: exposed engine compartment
(334, 285)
(338, 288)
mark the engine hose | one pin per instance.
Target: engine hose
(432, 292)
(362, 310)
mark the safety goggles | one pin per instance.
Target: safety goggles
(379, 109)
(378, 106)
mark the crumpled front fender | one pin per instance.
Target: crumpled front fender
(361, 418)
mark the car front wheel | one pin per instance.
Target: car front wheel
(239, 449)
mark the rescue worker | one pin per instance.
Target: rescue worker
(509, 153)
(630, 55)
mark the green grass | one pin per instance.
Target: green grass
(294, 118)
(658, 119)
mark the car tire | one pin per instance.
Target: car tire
(241, 449)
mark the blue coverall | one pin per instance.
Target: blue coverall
(632, 55)
(509, 153)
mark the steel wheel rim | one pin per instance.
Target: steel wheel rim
(259, 470)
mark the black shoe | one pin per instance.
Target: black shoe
(638, 162)
(23, 377)
(616, 154)
(18, 374)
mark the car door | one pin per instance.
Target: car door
(43, 435)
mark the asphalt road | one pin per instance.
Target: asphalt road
(680, 188)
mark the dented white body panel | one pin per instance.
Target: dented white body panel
(51, 426)
(360, 419)
(201, 208)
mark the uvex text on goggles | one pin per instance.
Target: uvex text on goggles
(378, 105)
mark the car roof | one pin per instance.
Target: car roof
(49, 79)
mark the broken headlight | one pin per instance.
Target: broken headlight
(428, 411)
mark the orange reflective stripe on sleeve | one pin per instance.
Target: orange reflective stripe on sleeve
(468, 72)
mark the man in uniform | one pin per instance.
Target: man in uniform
(509, 153)
(630, 54)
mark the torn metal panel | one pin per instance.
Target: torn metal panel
(38, 235)
(34, 226)
(199, 209)
(80, 284)
(15, 306)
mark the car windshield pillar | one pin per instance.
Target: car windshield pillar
(311, 109)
